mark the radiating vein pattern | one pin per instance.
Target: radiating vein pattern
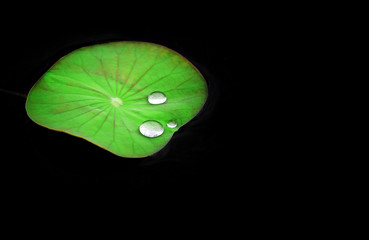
(104, 93)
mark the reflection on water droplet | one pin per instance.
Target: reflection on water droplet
(151, 129)
(172, 124)
(157, 98)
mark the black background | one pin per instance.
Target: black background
(244, 155)
(199, 159)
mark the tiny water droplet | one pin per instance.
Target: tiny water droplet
(151, 129)
(172, 124)
(157, 98)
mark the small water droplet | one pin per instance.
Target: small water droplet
(172, 124)
(151, 129)
(157, 98)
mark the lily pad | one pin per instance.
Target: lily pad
(101, 93)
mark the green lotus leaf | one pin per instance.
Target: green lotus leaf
(126, 97)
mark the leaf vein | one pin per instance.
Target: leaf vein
(104, 72)
(102, 123)
(97, 114)
(153, 82)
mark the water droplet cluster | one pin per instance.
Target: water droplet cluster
(152, 128)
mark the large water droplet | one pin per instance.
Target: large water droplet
(172, 124)
(151, 129)
(157, 98)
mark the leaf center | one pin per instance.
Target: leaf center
(116, 101)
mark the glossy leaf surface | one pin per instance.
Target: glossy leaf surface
(100, 93)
